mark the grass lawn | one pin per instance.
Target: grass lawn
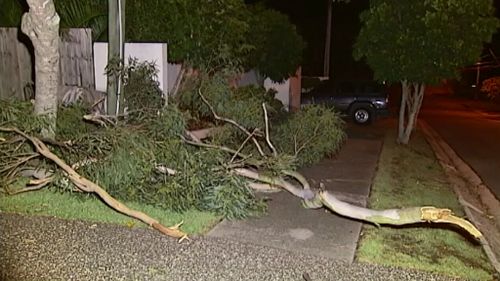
(411, 176)
(89, 208)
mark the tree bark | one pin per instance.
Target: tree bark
(313, 199)
(411, 102)
(402, 109)
(41, 24)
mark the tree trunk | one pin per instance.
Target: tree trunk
(41, 24)
(402, 109)
(411, 101)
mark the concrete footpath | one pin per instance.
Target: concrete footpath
(291, 227)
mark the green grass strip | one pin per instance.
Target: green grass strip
(89, 208)
(411, 176)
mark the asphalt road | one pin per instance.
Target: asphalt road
(42, 248)
(472, 129)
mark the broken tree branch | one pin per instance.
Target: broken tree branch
(35, 184)
(268, 139)
(397, 216)
(88, 186)
(390, 216)
(305, 194)
(237, 153)
(232, 122)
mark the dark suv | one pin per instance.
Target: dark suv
(362, 101)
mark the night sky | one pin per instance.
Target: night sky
(310, 18)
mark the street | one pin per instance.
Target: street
(472, 129)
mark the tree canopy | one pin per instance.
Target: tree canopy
(423, 41)
(278, 46)
(200, 34)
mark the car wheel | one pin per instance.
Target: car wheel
(362, 115)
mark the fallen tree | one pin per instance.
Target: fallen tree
(317, 198)
(149, 153)
(311, 198)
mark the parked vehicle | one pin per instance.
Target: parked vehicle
(362, 101)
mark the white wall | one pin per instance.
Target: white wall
(151, 52)
(248, 78)
(167, 75)
(283, 91)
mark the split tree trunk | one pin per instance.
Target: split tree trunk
(411, 100)
(41, 24)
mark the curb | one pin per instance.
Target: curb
(480, 204)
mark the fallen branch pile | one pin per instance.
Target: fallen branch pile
(317, 198)
(265, 170)
(85, 185)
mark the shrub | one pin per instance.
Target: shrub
(491, 87)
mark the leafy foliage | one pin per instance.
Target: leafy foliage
(131, 159)
(73, 14)
(278, 46)
(310, 134)
(89, 14)
(19, 114)
(11, 12)
(198, 34)
(423, 41)
(244, 105)
(491, 87)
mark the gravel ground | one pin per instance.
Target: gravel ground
(42, 248)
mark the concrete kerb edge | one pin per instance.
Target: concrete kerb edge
(448, 158)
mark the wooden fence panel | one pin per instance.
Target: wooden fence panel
(16, 64)
(11, 85)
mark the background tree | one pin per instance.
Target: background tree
(198, 35)
(278, 47)
(41, 24)
(91, 14)
(422, 42)
(491, 87)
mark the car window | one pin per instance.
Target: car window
(324, 87)
(371, 88)
(346, 88)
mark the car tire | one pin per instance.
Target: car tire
(362, 114)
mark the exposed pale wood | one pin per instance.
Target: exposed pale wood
(86, 185)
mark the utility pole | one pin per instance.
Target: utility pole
(116, 30)
(326, 63)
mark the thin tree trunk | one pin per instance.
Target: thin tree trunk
(402, 109)
(420, 99)
(178, 80)
(414, 98)
(41, 24)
